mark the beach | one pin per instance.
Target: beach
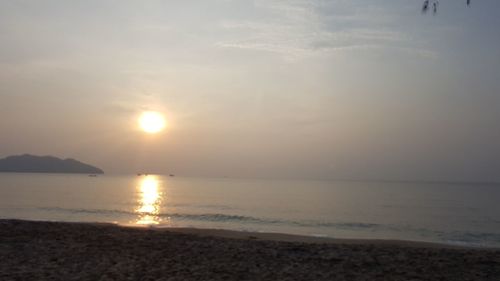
(31, 250)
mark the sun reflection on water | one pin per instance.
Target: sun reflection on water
(149, 201)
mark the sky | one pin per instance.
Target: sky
(340, 89)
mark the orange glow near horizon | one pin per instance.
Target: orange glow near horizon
(152, 122)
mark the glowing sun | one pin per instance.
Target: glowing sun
(151, 122)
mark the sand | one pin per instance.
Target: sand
(81, 251)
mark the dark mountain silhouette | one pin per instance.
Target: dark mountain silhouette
(45, 164)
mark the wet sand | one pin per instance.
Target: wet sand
(81, 251)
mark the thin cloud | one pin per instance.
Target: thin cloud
(298, 29)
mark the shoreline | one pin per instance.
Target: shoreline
(274, 236)
(41, 250)
(297, 238)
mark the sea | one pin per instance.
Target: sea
(466, 214)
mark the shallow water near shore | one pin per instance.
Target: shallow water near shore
(463, 214)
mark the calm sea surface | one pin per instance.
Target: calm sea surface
(447, 213)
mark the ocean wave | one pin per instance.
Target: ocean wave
(85, 211)
(340, 225)
(392, 231)
(474, 238)
(217, 217)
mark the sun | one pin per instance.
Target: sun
(151, 122)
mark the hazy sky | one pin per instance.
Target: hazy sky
(263, 88)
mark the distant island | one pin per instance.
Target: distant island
(45, 164)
